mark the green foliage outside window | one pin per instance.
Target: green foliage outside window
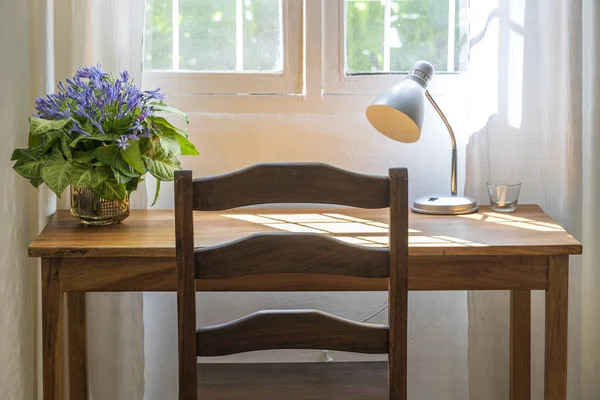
(207, 35)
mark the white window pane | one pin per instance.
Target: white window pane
(207, 35)
(158, 35)
(214, 35)
(417, 29)
(364, 36)
(262, 35)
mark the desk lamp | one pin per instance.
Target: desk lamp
(398, 114)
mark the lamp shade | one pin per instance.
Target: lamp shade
(398, 112)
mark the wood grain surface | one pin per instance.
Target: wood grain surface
(77, 345)
(291, 329)
(290, 183)
(520, 345)
(186, 288)
(153, 274)
(52, 309)
(278, 253)
(398, 292)
(557, 322)
(151, 233)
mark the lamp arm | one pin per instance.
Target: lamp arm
(453, 184)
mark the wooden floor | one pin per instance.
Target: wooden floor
(298, 381)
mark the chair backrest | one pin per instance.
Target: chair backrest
(287, 253)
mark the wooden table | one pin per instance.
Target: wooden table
(522, 251)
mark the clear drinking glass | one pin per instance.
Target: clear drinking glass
(504, 195)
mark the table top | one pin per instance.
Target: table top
(150, 233)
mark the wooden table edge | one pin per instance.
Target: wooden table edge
(492, 251)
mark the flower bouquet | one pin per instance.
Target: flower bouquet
(101, 135)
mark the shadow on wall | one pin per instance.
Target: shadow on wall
(525, 92)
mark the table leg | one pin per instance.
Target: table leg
(520, 344)
(557, 302)
(51, 329)
(77, 333)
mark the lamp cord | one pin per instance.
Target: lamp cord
(376, 313)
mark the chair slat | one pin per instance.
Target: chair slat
(291, 329)
(281, 253)
(290, 183)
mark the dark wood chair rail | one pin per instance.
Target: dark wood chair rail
(291, 329)
(280, 253)
(290, 183)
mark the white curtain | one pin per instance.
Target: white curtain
(43, 42)
(533, 69)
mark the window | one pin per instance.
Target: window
(307, 48)
(374, 40)
(224, 46)
(389, 36)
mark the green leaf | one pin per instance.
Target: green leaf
(48, 139)
(170, 144)
(36, 182)
(111, 156)
(157, 192)
(187, 147)
(147, 146)
(30, 163)
(33, 141)
(64, 147)
(120, 177)
(85, 175)
(38, 126)
(133, 157)
(57, 172)
(82, 156)
(17, 154)
(132, 184)
(109, 188)
(109, 137)
(162, 125)
(160, 106)
(77, 139)
(165, 129)
(106, 154)
(162, 167)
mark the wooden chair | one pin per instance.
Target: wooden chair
(282, 253)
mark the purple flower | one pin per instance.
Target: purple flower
(122, 142)
(154, 94)
(77, 128)
(109, 105)
(146, 133)
(91, 72)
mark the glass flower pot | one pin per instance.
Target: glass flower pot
(91, 209)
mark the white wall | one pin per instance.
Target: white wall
(437, 320)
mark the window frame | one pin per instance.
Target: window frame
(289, 81)
(335, 80)
(319, 80)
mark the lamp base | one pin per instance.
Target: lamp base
(444, 205)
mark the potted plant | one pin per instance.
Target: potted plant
(101, 135)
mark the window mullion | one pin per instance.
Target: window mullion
(451, 34)
(313, 49)
(175, 22)
(239, 35)
(387, 49)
